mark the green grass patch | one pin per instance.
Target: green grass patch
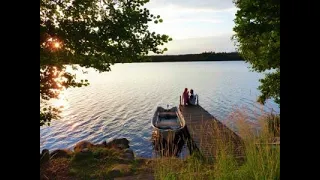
(261, 159)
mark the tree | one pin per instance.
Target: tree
(257, 27)
(90, 33)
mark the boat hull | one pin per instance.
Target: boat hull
(168, 131)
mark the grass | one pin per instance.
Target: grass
(260, 161)
(97, 163)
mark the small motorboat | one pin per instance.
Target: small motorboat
(168, 119)
(168, 131)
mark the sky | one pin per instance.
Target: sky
(195, 26)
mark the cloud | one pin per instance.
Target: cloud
(220, 43)
(203, 4)
(180, 20)
(195, 26)
(198, 17)
(191, 10)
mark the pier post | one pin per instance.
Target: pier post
(197, 99)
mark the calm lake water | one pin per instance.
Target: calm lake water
(122, 102)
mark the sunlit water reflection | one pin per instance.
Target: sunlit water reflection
(122, 102)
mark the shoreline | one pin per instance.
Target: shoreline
(84, 145)
(148, 61)
(206, 56)
(113, 159)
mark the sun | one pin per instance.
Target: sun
(56, 45)
(53, 43)
(60, 102)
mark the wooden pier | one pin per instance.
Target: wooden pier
(207, 133)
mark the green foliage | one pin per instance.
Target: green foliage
(270, 87)
(90, 33)
(83, 157)
(258, 35)
(170, 176)
(94, 164)
(273, 122)
(102, 153)
(84, 166)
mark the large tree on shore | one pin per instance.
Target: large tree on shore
(257, 27)
(90, 33)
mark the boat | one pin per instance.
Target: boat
(168, 119)
(168, 131)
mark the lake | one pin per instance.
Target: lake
(121, 103)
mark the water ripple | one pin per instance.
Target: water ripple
(121, 103)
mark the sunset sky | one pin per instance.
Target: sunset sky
(195, 26)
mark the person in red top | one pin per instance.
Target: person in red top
(185, 96)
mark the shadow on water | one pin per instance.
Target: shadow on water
(172, 143)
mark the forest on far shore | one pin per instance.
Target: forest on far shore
(206, 56)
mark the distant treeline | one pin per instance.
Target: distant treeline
(206, 56)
